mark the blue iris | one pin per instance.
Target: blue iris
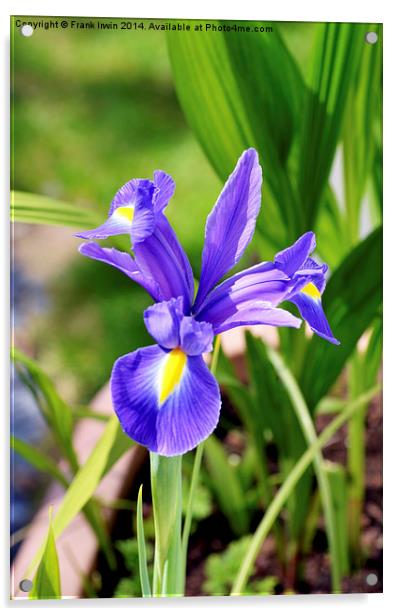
(164, 395)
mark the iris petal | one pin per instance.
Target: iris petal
(292, 258)
(258, 313)
(161, 257)
(123, 262)
(163, 322)
(134, 207)
(195, 337)
(117, 224)
(186, 417)
(165, 189)
(262, 282)
(126, 195)
(311, 309)
(144, 218)
(230, 225)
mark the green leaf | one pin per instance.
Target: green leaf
(83, 485)
(37, 209)
(226, 486)
(336, 58)
(122, 444)
(47, 583)
(38, 459)
(362, 131)
(251, 81)
(331, 231)
(371, 361)
(338, 481)
(144, 578)
(351, 301)
(55, 411)
(273, 409)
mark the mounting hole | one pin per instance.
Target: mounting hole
(26, 585)
(371, 579)
(26, 30)
(371, 38)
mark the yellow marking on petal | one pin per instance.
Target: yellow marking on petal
(172, 372)
(126, 212)
(312, 290)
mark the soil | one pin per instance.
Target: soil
(213, 535)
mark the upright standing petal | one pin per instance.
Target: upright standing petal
(230, 225)
(167, 401)
(292, 258)
(165, 188)
(161, 257)
(195, 337)
(163, 322)
(143, 222)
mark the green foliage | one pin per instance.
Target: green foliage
(47, 583)
(304, 417)
(338, 482)
(362, 133)
(221, 569)
(226, 486)
(130, 586)
(83, 485)
(202, 502)
(289, 484)
(55, 411)
(253, 82)
(38, 459)
(60, 417)
(37, 209)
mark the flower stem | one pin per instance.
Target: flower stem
(167, 510)
(195, 476)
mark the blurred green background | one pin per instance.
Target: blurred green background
(92, 109)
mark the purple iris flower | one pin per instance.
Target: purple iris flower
(164, 395)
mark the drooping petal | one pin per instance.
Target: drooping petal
(131, 212)
(262, 282)
(123, 262)
(230, 225)
(292, 258)
(165, 188)
(165, 401)
(126, 195)
(119, 223)
(310, 307)
(162, 321)
(161, 257)
(195, 337)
